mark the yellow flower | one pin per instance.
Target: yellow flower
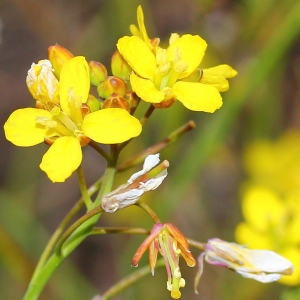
(273, 223)
(160, 74)
(64, 125)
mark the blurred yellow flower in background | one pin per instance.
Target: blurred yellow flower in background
(271, 200)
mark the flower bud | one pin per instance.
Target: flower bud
(112, 84)
(58, 55)
(116, 101)
(133, 99)
(93, 103)
(119, 66)
(42, 83)
(98, 72)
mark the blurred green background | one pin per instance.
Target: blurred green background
(201, 195)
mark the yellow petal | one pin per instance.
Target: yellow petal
(111, 126)
(197, 96)
(262, 207)
(62, 158)
(192, 48)
(22, 129)
(216, 76)
(146, 89)
(74, 82)
(138, 55)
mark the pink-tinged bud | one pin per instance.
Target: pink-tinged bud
(58, 55)
(116, 101)
(119, 66)
(112, 84)
(93, 103)
(98, 72)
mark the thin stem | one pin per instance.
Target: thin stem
(147, 115)
(102, 152)
(61, 227)
(156, 148)
(129, 280)
(55, 236)
(113, 230)
(149, 211)
(76, 225)
(196, 244)
(83, 188)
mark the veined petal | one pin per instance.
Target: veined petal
(197, 96)
(146, 89)
(111, 126)
(62, 158)
(192, 48)
(22, 129)
(216, 76)
(138, 55)
(74, 82)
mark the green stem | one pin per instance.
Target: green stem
(54, 238)
(147, 115)
(129, 280)
(75, 226)
(156, 148)
(97, 147)
(113, 230)
(40, 280)
(149, 211)
(83, 188)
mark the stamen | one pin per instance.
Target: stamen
(174, 37)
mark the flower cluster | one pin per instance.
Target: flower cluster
(68, 117)
(63, 119)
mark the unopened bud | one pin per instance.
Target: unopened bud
(98, 72)
(112, 84)
(116, 101)
(119, 66)
(93, 103)
(58, 55)
(133, 99)
(42, 83)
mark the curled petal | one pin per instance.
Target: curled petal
(146, 243)
(138, 55)
(74, 83)
(146, 89)
(150, 162)
(111, 126)
(62, 158)
(216, 77)
(192, 48)
(22, 129)
(197, 96)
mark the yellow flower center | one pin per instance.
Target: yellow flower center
(168, 70)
